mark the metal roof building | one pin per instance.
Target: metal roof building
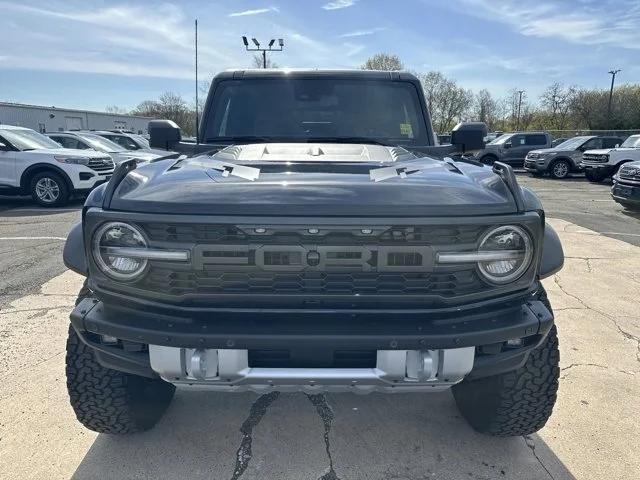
(53, 119)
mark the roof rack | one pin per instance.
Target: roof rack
(506, 173)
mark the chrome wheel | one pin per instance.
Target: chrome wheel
(560, 169)
(47, 190)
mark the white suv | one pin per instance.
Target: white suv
(603, 163)
(33, 163)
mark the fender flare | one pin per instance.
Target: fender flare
(552, 258)
(44, 166)
(73, 254)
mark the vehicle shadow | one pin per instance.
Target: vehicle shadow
(333, 436)
(25, 206)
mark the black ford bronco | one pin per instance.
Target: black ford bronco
(316, 238)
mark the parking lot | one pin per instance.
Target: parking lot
(591, 434)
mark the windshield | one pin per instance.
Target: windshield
(101, 144)
(500, 140)
(28, 139)
(632, 142)
(572, 143)
(317, 110)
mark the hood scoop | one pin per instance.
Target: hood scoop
(313, 152)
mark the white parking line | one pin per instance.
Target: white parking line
(33, 238)
(588, 232)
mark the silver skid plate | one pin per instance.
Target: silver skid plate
(395, 371)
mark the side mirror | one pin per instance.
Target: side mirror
(507, 144)
(164, 134)
(469, 136)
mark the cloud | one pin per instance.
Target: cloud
(362, 33)
(257, 11)
(352, 48)
(587, 25)
(339, 4)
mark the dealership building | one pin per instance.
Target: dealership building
(53, 119)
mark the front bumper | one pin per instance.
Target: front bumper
(313, 339)
(626, 192)
(600, 168)
(536, 165)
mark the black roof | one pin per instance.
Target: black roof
(314, 73)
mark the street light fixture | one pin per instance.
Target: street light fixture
(264, 51)
(613, 74)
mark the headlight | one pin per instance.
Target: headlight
(71, 159)
(508, 252)
(115, 250)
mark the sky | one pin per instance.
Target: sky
(91, 54)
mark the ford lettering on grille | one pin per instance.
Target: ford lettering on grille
(360, 258)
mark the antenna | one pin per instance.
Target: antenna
(197, 114)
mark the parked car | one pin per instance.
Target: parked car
(91, 141)
(32, 164)
(603, 163)
(566, 158)
(309, 247)
(130, 141)
(626, 186)
(512, 148)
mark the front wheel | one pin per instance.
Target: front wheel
(560, 169)
(514, 403)
(49, 189)
(109, 401)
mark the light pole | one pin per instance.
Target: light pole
(263, 50)
(613, 79)
(520, 92)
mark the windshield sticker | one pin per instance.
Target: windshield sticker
(405, 129)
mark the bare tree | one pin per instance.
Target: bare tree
(116, 109)
(486, 109)
(447, 102)
(558, 100)
(257, 62)
(383, 61)
(172, 107)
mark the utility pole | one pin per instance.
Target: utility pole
(263, 50)
(197, 115)
(520, 92)
(613, 79)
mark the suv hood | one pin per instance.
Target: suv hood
(67, 151)
(313, 179)
(555, 151)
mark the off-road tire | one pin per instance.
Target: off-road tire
(55, 179)
(109, 401)
(594, 177)
(514, 403)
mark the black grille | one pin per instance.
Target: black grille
(102, 165)
(312, 260)
(629, 173)
(310, 283)
(595, 158)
